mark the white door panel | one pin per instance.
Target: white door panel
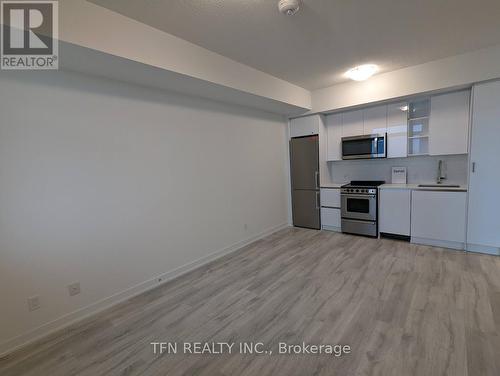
(330, 197)
(449, 123)
(330, 217)
(334, 137)
(484, 202)
(352, 123)
(375, 120)
(438, 215)
(304, 126)
(395, 206)
(397, 130)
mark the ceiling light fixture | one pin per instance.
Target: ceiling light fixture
(361, 72)
(289, 7)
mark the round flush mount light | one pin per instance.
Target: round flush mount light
(289, 7)
(361, 72)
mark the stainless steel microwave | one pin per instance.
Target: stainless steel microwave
(364, 147)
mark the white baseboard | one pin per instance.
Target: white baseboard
(64, 321)
(439, 243)
(483, 249)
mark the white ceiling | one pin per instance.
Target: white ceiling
(316, 46)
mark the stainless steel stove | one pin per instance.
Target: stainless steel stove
(359, 207)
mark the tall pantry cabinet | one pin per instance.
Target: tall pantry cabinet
(483, 224)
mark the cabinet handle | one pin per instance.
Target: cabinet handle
(473, 166)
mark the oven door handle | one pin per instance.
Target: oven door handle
(350, 195)
(359, 221)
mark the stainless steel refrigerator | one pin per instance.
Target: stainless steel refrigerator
(304, 168)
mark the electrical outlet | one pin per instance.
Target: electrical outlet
(74, 289)
(33, 303)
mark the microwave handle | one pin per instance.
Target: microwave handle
(375, 143)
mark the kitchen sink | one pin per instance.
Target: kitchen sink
(438, 186)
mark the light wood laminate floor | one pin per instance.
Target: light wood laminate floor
(404, 310)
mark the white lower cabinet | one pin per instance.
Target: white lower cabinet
(330, 197)
(330, 219)
(438, 218)
(395, 211)
(330, 209)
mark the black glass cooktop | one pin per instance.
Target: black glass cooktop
(364, 183)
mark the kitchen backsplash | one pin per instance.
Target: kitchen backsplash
(422, 169)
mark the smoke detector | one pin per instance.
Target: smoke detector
(289, 7)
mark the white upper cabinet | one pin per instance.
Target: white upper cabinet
(304, 126)
(352, 123)
(397, 130)
(334, 137)
(436, 126)
(449, 123)
(375, 120)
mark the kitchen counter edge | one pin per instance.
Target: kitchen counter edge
(332, 185)
(415, 187)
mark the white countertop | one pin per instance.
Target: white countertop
(462, 188)
(415, 187)
(332, 185)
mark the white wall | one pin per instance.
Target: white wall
(111, 185)
(89, 25)
(451, 72)
(422, 169)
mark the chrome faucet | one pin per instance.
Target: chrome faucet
(440, 175)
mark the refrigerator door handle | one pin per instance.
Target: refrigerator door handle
(316, 179)
(317, 200)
